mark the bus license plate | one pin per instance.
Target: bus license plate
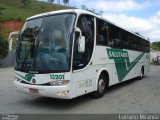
(33, 90)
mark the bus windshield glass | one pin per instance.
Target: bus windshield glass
(45, 43)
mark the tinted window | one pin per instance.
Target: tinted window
(114, 36)
(124, 38)
(102, 32)
(133, 42)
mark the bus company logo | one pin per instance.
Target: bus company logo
(117, 54)
(122, 62)
(28, 77)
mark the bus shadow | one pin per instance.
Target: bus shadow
(123, 84)
(59, 104)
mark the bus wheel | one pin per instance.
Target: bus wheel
(101, 87)
(141, 74)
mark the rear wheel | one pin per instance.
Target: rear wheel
(101, 87)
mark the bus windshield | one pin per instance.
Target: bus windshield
(45, 43)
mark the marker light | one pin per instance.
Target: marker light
(63, 93)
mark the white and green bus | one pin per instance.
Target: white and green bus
(68, 53)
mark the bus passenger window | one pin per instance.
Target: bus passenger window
(114, 37)
(133, 43)
(125, 41)
(102, 30)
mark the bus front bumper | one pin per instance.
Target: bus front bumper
(61, 92)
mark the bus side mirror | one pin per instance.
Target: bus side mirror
(81, 44)
(10, 39)
(81, 41)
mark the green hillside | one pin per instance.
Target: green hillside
(14, 9)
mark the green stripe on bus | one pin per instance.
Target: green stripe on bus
(27, 77)
(122, 62)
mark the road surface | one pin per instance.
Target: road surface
(135, 96)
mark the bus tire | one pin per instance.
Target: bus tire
(141, 73)
(101, 87)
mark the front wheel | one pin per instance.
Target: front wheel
(101, 87)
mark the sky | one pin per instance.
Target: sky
(142, 16)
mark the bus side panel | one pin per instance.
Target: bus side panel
(133, 64)
(137, 60)
(84, 80)
(103, 62)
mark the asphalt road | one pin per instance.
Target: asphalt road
(135, 96)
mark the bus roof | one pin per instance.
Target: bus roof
(80, 11)
(62, 11)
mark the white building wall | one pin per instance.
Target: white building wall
(154, 54)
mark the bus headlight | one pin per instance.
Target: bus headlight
(59, 82)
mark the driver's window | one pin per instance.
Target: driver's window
(86, 25)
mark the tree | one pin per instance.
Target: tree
(84, 7)
(26, 3)
(3, 47)
(101, 12)
(43, 8)
(66, 2)
(2, 9)
(155, 45)
(50, 1)
(93, 10)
